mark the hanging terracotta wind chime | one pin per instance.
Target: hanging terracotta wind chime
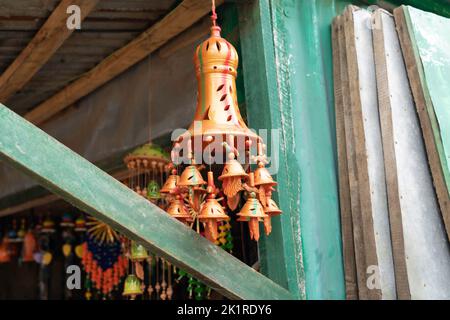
(219, 131)
(147, 167)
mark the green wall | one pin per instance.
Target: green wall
(287, 58)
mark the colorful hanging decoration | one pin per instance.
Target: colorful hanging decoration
(13, 236)
(149, 276)
(5, 254)
(67, 221)
(225, 239)
(22, 231)
(48, 226)
(134, 283)
(69, 241)
(67, 225)
(30, 246)
(102, 259)
(147, 165)
(80, 224)
(220, 132)
(44, 255)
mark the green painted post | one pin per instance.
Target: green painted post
(286, 52)
(281, 252)
(79, 182)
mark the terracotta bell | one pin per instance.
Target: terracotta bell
(132, 286)
(29, 247)
(171, 183)
(178, 210)
(263, 177)
(253, 212)
(272, 208)
(231, 178)
(216, 62)
(191, 177)
(212, 212)
(233, 169)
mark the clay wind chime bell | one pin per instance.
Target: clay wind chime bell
(147, 166)
(219, 134)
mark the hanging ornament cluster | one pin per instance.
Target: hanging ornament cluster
(147, 165)
(5, 253)
(220, 132)
(19, 242)
(102, 259)
(156, 283)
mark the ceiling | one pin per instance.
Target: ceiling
(111, 25)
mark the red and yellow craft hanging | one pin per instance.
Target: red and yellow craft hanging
(217, 119)
(147, 166)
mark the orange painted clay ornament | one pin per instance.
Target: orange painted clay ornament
(217, 118)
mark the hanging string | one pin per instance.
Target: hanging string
(150, 98)
(214, 14)
(150, 281)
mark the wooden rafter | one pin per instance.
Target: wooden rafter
(41, 48)
(29, 204)
(178, 20)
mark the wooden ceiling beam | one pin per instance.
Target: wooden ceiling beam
(179, 19)
(41, 48)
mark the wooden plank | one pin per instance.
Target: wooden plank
(357, 227)
(44, 44)
(182, 17)
(398, 98)
(79, 182)
(369, 153)
(421, 251)
(201, 31)
(431, 126)
(348, 249)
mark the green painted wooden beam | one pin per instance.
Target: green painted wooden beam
(286, 48)
(79, 182)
